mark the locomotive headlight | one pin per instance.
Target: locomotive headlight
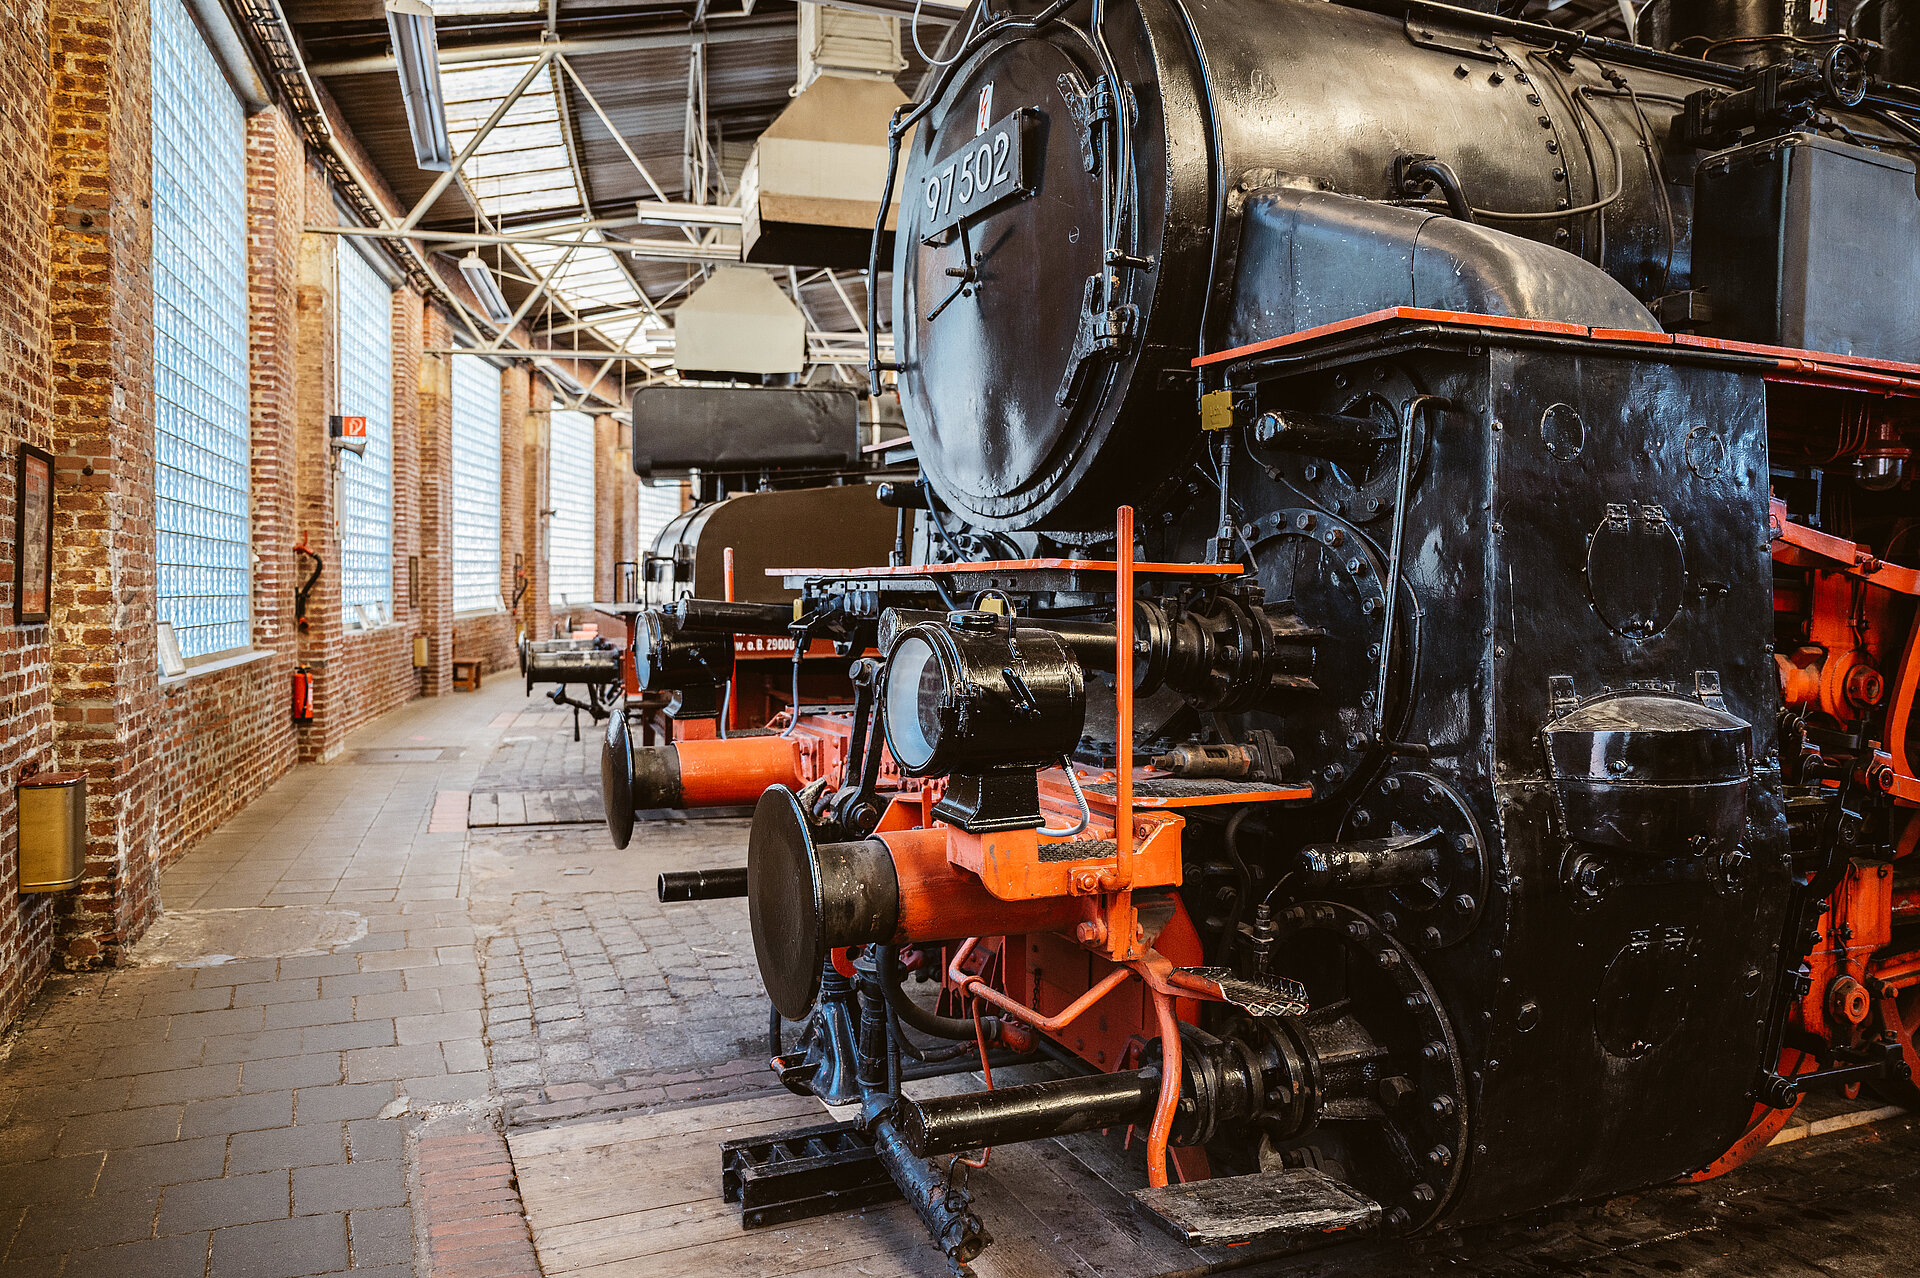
(972, 694)
(915, 685)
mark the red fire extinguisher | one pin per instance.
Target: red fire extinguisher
(303, 695)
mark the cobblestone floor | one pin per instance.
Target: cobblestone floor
(589, 979)
(539, 752)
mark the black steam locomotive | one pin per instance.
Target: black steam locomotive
(1408, 621)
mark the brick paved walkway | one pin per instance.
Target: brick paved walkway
(307, 1069)
(248, 1099)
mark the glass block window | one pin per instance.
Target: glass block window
(476, 484)
(202, 512)
(366, 481)
(570, 497)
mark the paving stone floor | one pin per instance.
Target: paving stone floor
(246, 1098)
(340, 981)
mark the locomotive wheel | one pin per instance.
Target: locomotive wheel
(1902, 1016)
(1763, 1127)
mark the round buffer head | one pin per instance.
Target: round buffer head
(616, 780)
(806, 899)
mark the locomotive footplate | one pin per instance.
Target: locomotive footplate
(1297, 1203)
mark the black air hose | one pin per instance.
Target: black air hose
(918, 1017)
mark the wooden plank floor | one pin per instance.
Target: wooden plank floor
(639, 1197)
(577, 806)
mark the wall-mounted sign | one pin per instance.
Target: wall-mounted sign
(348, 434)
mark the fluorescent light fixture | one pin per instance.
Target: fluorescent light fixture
(416, 55)
(676, 213)
(485, 288)
(560, 378)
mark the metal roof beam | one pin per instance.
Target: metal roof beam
(584, 46)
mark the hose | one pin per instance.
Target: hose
(1223, 949)
(918, 1017)
(1441, 174)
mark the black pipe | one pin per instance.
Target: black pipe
(917, 1017)
(703, 885)
(1031, 1111)
(733, 617)
(941, 1200)
(1441, 174)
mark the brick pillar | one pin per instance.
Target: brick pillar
(408, 582)
(433, 429)
(517, 426)
(104, 667)
(26, 410)
(276, 208)
(613, 501)
(534, 613)
(316, 519)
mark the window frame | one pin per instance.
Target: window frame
(560, 508)
(379, 431)
(200, 257)
(495, 602)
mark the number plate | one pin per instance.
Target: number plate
(976, 175)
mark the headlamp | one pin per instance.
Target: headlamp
(693, 665)
(973, 697)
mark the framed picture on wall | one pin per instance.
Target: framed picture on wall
(33, 537)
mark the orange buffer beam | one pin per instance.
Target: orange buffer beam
(715, 773)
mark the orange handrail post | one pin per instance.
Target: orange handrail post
(1123, 702)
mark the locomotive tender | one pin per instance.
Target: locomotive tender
(1406, 670)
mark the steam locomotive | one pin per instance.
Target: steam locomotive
(1404, 671)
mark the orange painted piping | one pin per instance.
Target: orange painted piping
(973, 987)
(1171, 1068)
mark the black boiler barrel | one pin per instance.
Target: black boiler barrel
(1022, 412)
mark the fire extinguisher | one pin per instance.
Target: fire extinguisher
(302, 694)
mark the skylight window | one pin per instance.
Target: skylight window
(523, 166)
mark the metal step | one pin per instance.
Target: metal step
(1297, 1203)
(810, 1171)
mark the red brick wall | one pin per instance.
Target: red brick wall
(169, 760)
(104, 690)
(222, 738)
(26, 408)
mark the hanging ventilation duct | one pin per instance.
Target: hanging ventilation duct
(739, 324)
(812, 185)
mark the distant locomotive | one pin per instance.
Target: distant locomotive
(1408, 634)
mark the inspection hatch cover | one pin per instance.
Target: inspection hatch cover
(412, 754)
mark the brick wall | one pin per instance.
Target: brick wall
(169, 760)
(26, 709)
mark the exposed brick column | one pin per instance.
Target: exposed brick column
(433, 429)
(535, 526)
(408, 583)
(608, 538)
(317, 379)
(518, 424)
(275, 210)
(26, 407)
(105, 685)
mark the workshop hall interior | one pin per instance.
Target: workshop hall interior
(931, 638)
